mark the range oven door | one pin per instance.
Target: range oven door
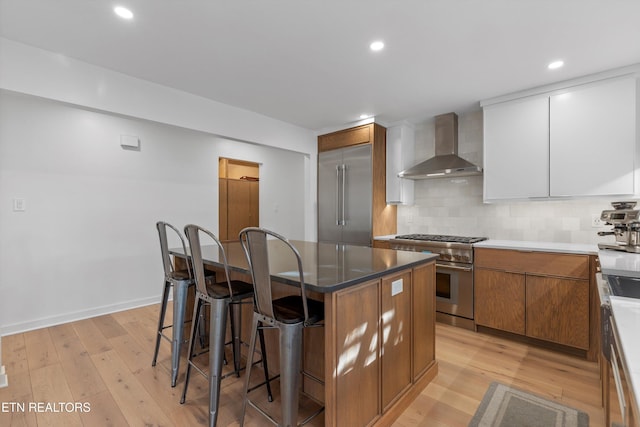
(454, 289)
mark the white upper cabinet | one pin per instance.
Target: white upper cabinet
(593, 140)
(578, 141)
(516, 149)
(400, 156)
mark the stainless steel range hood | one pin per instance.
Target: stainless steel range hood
(446, 162)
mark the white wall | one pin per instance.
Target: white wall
(455, 206)
(26, 69)
(86, 244)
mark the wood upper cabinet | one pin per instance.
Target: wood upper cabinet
(551, 144)
(537, 294)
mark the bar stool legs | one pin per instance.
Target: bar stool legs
(163, 311)
(290, 366)
(236, 327)
(217, 330)
(218, 326)
(180, 288)
(179, 305)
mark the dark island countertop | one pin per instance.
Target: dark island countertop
(327, 267)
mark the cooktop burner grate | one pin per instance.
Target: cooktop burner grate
(440, 238)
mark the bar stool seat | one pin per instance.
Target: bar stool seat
(241, 290)
(289, 314)
(289, 310)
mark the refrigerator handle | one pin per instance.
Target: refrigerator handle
(344, 179)
(337, 194)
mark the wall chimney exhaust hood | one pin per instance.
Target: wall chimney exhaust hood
(446, 162)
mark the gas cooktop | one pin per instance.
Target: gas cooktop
(440, 238)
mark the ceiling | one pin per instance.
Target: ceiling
(308, 62)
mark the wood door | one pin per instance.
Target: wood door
(558, 310)
(242, 206)
(500, 300)
(396, 335)
(222, 209)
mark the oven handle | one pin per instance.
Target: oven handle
(618, 381)
(453, 267)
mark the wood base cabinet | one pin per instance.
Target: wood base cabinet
(545, 296)
(380, 347)
(500, 300)
(558, 310)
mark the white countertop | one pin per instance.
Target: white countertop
(523, 245)
(617, 263)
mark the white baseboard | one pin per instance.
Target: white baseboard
(4, 381)
(31, 325)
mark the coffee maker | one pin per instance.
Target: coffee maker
(626, 227)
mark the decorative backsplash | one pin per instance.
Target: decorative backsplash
(454, 206)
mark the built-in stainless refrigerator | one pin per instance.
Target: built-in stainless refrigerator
(344, 195)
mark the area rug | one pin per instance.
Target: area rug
(504, 406)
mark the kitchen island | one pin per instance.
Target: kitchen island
(377, 349)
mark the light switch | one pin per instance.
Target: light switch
(396, 287)
(19, 204)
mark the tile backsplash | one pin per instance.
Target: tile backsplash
(454, 205)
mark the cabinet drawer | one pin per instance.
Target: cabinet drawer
(541, 263)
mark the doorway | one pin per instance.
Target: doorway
(238, 197)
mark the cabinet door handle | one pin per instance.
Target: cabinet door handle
(449, 267)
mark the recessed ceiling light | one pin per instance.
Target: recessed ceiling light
(364, 116)
(377, 45)
(555, 65)
(123, 12)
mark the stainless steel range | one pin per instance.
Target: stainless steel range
(454, 273)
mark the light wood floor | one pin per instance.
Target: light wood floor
(106, 363)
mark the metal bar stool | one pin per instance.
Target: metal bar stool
(179, 281)
(289, 314)
(220, 296)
